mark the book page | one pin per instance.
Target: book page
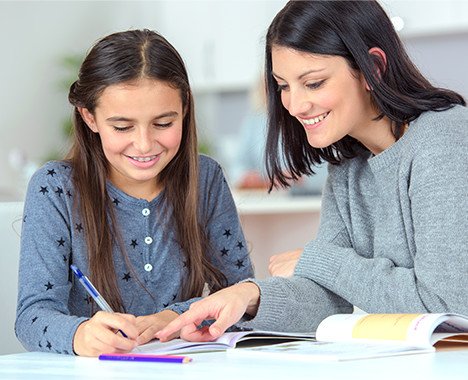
(326, 351)
(384, 326)
(225, 341)
(413, 329)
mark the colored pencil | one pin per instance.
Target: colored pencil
(146, 358)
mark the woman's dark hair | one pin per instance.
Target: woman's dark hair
(347, 29)
(126, 57)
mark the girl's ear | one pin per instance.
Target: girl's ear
(380, 62)
(88, 118)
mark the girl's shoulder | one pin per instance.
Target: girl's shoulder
(208, 166)
(53, 172)
(211, 175)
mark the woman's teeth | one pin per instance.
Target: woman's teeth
(315, 120)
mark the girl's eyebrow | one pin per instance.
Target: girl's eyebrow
(126, 119)
(313, 71)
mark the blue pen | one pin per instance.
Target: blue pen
(92, 291)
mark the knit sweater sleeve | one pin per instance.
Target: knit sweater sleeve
(299, 303)
(43, 321)
(435, 280)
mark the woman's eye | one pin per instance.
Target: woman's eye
(282, 87)
(315, 85)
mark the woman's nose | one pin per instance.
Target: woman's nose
(298, 104)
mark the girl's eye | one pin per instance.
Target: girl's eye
(121, 129)
(315, 85)
(163, 125)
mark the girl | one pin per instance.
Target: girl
(393, 232)
(133, 205)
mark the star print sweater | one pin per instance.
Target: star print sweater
(393, 235)
(52, 303)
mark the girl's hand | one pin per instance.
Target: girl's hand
(148, 325)
(100, 334)
(226, 307)
(283, 265)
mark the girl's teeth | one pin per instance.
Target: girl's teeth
(143, 159)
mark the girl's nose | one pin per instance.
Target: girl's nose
(142, 141)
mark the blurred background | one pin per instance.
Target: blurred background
(221, 42)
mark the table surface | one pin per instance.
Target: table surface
(38, 365)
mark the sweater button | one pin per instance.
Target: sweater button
(148, 267)
(146, 211)
(148, 240)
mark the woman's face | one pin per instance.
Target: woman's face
(328, 98)
(140, 126)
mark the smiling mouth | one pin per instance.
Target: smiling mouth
(143, 159)
(315, 120)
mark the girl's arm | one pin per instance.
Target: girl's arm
(43, 322)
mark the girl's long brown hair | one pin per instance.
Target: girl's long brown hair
(122, 58)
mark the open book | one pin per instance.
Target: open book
(225, 341)
(359, 336)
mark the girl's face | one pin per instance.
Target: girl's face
(140, 126)
(328, 98)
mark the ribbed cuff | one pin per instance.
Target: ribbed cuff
(272, 303)
(321, 262)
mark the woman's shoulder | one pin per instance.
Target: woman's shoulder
(440, 127)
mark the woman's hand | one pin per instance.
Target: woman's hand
(148, 325)
(283, 265)
(226, 307)
(100, 334)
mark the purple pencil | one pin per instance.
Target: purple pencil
(146, 358)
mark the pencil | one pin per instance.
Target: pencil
(146, 358)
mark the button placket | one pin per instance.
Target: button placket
(148, 240)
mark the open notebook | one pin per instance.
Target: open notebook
(362, 336)
(225, 341)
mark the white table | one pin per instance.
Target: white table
(212, 366)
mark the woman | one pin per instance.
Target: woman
(393, 235)
(134, 205)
